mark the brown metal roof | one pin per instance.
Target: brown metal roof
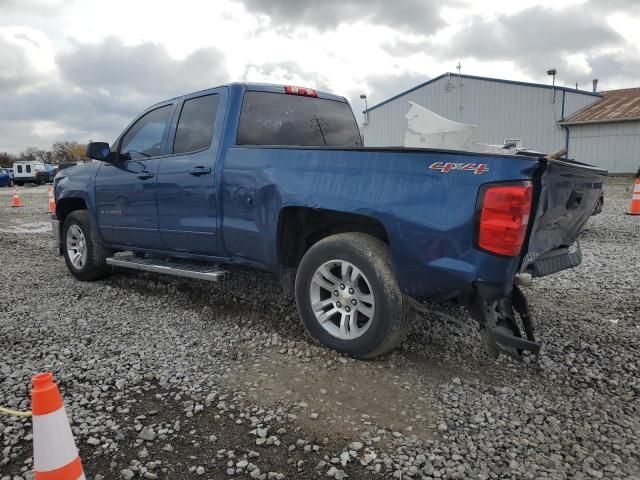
(614, 106)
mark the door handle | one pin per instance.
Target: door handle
(145, 175)
(196, 171)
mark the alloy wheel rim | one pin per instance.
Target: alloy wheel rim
(76, 246)
(342, 299)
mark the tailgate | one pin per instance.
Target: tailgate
(568, 193)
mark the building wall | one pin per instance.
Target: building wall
(501, 111)
(614, 146)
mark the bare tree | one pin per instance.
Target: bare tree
(64, 151)
(60, 152)
(29, 153)
(7, 159)
(43, 155)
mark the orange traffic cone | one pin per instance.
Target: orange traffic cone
(634, 208)
(55, 455)
(15, 201)
(52, 201)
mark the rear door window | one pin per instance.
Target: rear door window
(144, 138)
(195, 126)
(19, 168)
(28, 167)
(280, 119)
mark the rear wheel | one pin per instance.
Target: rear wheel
(348, 297)
(83, 251)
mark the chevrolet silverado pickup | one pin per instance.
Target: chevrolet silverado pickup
(276, 178)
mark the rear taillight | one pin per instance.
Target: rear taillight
(305, 92)
(504, 216)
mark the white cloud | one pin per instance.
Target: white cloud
(26, 55)
(79, 70)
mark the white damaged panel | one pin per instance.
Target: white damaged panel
(426, 129)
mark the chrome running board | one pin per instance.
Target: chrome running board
(199, 271)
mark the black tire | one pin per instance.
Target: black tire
(392, 315)
(20, 184)
(95, 266)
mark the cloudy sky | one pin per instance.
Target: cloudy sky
(81, 69)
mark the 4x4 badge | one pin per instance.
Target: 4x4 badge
(476, 168)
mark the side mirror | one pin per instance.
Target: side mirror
(99, 151)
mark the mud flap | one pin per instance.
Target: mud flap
(499, 326)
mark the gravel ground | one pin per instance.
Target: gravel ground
(168, 378)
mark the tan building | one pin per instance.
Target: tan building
(607, 132)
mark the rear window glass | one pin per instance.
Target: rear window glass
(195, 127)
(19, 168)
(28, 167)
(281, 119)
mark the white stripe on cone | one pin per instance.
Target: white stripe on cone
(53, 444)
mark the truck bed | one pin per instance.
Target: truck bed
(427, 210)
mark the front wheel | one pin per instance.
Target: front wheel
(83, 251)
(348, 297)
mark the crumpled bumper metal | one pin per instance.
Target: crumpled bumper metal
(499, 327)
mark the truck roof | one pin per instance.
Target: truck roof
(256, 87)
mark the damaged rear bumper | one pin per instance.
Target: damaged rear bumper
(506, 324)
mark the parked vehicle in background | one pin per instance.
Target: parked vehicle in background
(6, 177)
(62, 166)
(51, 171)
(32, 172)
(276, 178)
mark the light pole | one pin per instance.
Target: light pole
(552, 73)
(366, 109)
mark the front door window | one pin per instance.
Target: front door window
(144, 138)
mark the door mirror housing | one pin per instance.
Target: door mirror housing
(100, 151)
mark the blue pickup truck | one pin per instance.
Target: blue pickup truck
(276, 178)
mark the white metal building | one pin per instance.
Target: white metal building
(504, 110)
(607, 132)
